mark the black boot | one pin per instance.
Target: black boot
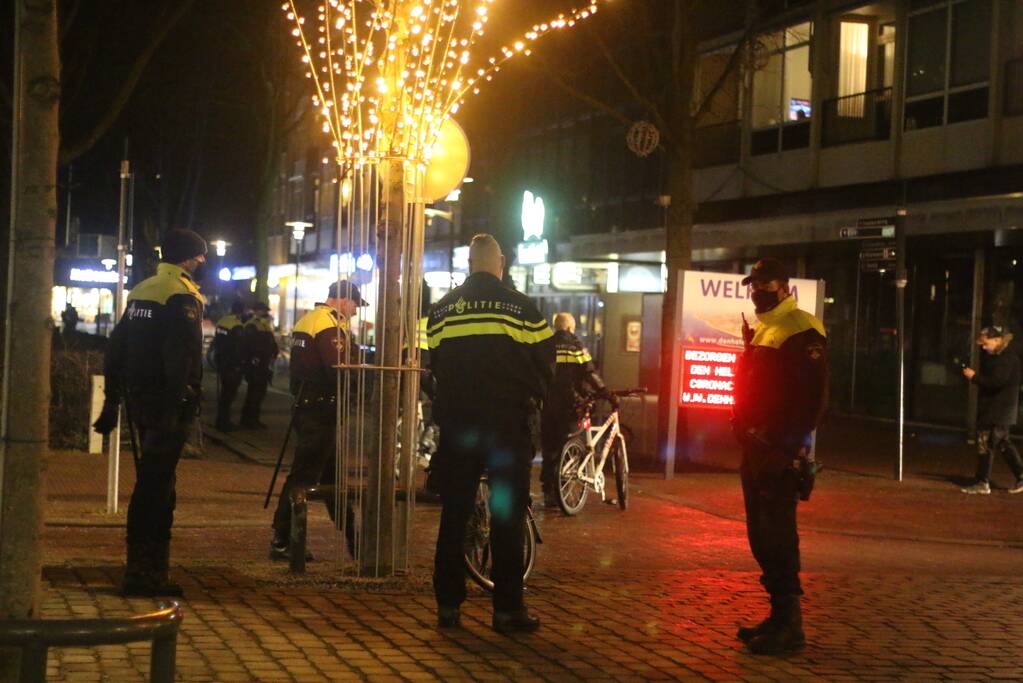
(517, 621)
(161, 565)
(138, 571)
(748, 633)
(786, 635)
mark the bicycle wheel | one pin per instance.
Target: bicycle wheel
(620, 461)
(572, 490)
(478, 558)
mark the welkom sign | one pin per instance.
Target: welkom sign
(713, 307)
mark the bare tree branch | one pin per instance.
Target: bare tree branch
(165, 24)
(643, 101)
(69, 19)
(733, 63)
(551, 74)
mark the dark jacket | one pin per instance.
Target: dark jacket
(319, 342)
(227, 343)
(575, 376)
(998, 383)
(258, 345)
(782, 378)
(154, 357)
(491, 353)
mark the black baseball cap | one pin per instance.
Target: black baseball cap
(261, 306)
(765, 270)
(346, 290)
(993, 332)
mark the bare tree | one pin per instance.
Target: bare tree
(653, 58)
(26, 383)
(280, 109)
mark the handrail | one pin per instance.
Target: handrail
(35, 636)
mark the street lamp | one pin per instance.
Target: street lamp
(220, 248)
(298, 229)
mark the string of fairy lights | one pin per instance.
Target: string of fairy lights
(388, 73)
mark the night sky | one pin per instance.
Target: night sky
(192, 122)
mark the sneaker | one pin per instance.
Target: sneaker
(1017, 487)
(981, 487)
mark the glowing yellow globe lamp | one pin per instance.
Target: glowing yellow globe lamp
(449, 162)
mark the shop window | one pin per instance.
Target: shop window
(782, 87)
(948, 62)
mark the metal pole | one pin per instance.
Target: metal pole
(979, 266)
(5, 388)
(114, 449)
(856, 338)
(298, 264)
(675, 382)
(900, 311)
(67, 214)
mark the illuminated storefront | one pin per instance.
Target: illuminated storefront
(88, 285)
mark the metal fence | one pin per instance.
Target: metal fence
(34, 637)
(858, 118)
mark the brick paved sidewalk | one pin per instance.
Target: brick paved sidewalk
(652, 593)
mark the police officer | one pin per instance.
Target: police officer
(320, 341)
(782, 392)
(575, 380)
(227, 358)
(154, 363)
(259, 351)
(492, 356)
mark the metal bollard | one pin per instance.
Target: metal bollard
(33, 663)
(299, 522)
(163, 659)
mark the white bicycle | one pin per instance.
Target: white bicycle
(583, 457)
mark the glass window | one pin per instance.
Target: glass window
(949, 51)
(925, 69)
(797, 85)
(782, 86)
(766, 87)
(971, 41)
(853, 51)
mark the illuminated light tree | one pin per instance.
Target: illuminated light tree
(387, 75)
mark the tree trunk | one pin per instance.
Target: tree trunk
(679, 230)
(27, 353)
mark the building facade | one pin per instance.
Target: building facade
(838, 114)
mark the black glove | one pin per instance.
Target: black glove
(107, 420)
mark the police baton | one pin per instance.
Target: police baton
(131, 435)
(284, 447)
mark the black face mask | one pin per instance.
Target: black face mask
(765, 300)
(199, 273)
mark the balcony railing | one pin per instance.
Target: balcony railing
(716, 145)
(857, 118)
(1014, 87)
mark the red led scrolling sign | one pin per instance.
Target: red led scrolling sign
(708, 377)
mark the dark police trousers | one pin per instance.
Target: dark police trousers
(556, 428)
(990, 440)
(465, 452)
(257, 378)
(771, 495)
(315, 436)
(151, 510)
(230, 379)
